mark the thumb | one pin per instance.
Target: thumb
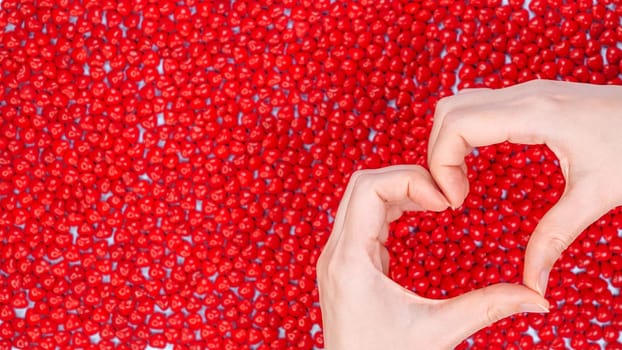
(453, 182)
(577, 208)
(468, 313)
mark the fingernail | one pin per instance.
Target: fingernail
(542, 282)
(452, 206)
(447, 203)
(534, 308)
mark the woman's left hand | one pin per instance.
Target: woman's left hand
(362, 308)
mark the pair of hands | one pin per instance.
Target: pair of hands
(363, 309)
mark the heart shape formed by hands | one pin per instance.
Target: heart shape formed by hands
(482, 242)
(357, 296)
(580, 123)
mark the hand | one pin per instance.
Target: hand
(580, 123)
(362, 308)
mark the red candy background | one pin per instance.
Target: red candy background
(169, 170)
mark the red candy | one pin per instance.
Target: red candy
(169, 171)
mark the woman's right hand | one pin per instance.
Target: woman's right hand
(580, 123)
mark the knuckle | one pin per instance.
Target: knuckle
(493, 314)
(451, 122)
(420, 171)
(364, 178)
(558, 243)
(494, 311)
(330, 267)
(331, 275)
(355, 179)
(355, 175)
(442, 104)
(533, 83)
(451, 126)
(413, 190)
(541, 96)
(543, 99)
(537, 85)
(443, 107)
(358, 175)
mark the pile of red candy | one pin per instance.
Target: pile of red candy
(169, 170)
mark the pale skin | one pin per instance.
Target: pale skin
(580, 123)
(363, 309)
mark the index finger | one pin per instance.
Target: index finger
(463, 98)
(515, 119)
(379, 196)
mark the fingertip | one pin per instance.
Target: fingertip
(542, 282)
(539, 260)
(430, 195)
(453, 183)
(530, 273)
(441, 203)
(537, 280)
(534, 308)
(533, 302)
(516, 294)
(520, 299)
(485, 306)
(535, 298)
